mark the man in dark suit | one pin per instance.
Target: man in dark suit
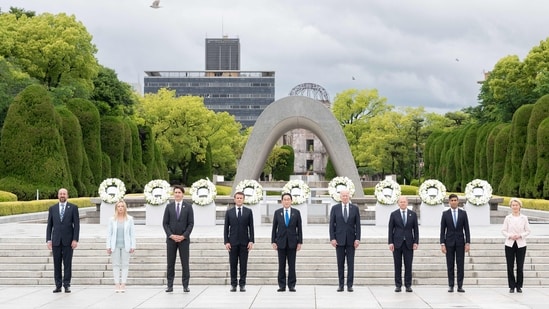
(238, 235)
(403, 240)
(286, 238)
(62, 234)
(345, 237)
(454, 241)
(178, 224)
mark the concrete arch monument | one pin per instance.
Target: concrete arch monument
(294, 112)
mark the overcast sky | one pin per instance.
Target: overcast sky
(427, 53)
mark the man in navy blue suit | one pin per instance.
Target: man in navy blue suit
(62, 234)
(286, 238)
(345, 237)
(403, 240)
(454, 241)
(238, 234)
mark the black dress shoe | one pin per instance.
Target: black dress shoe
(169, 289)
(68, 289)
(57, 290)
(451, 289)
(292, 289)
(233, 289)
(350, 289)
(409, 289)
(398, 289)
(519, 290)
(511, 290)
(186, 290)
(461, 290)
(281, 289)
(340, 289)
(242, 288)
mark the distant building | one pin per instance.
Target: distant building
(223, 54)
(243, 94)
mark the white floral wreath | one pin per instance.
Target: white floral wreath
(299, 190)
(339, 183)
(203, 192)
(432, 192)
(157, 192)
(112, 190)
(387, 192)
(253, 192)
(478, 192)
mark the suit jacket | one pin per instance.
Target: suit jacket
(458, 235)
(398, 232)
(63, 232)
(239, 232)
(129, 234)
(513, 225)
(290, 236)
(345, 233)
(182, 226)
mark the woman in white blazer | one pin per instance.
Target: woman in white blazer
(515, 229)
(120, 244)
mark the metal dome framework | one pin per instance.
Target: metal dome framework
(311, 90)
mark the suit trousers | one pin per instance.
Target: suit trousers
(398, 254)
(342, 253)
(288, 255)
(512, 253)
(238, 254)
(183, 249)
(120, 265)
(62, 255)
(455, 254)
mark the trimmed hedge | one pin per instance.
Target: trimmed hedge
(26, 207)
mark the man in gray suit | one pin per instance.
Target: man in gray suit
(178, 223)
(238, 234)
(62, 233)
(345, 237)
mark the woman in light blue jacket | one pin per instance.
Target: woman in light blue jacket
(120, 244)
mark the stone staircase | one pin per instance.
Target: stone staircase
(25, 261)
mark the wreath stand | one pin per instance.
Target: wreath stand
(303, 211)
(154, 214)
(430, 214)
(204, 215)
(106, 212)
(383, 212)
(478, 215)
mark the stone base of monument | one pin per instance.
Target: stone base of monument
(383, 213)
(154, 214)
(204, 215)
(106, 212)
(477, 214)
(430, 215)
(303, 209)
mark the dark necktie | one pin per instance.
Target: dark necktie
(239, 213)
(345, 214)
(178, 210)
(287, 217)
(404, 217)
(62, 211)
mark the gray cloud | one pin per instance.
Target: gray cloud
(405, 49)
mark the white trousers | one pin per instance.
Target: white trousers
(120, 265)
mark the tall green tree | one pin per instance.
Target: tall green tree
(32, 150)
(57, 50)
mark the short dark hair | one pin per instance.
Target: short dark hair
(239, 193)
(453, 195)
(180, 187)
(286, 193)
